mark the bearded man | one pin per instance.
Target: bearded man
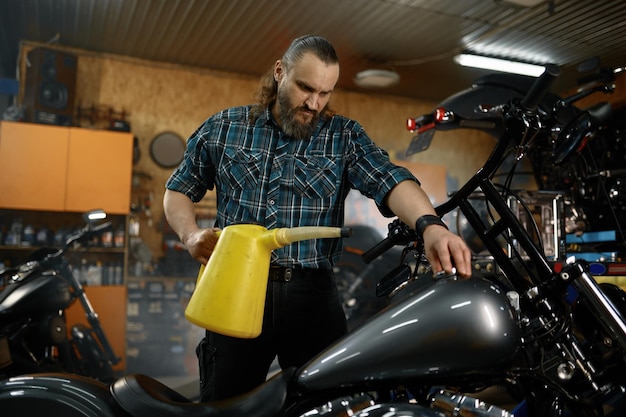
(288, 161)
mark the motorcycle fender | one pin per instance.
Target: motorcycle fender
(448, 330)
(56, 395)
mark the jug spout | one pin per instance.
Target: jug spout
(277, 238)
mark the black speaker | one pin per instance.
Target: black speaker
(49, 91)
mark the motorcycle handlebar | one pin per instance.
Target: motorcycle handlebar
(380, 248)
(88, 233)
(540, 87)
(103, 227)
(399, 234)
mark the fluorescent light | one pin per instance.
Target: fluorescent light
(376, 78)
(496, 64)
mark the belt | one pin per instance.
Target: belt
(283, 274)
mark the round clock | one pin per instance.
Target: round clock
(167, 149)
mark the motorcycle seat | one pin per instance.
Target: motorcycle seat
(140, 395)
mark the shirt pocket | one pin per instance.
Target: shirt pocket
(315, 176)
(241, 170)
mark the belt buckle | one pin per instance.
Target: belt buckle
(287, 274)
(280, 273)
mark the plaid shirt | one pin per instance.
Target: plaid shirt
(265, 177)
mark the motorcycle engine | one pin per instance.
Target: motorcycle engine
(444, 403)
(53, 329)
(454, 404)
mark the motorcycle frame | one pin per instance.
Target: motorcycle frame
(576, 273)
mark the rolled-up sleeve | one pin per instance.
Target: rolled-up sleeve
(371, 172)
(196, 173)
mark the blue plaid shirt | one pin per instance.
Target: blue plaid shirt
(265, 177)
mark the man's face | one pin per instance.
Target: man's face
(304, 91)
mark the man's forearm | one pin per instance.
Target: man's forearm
(409, 201)
(180, 213)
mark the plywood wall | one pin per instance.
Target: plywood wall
(162, 97)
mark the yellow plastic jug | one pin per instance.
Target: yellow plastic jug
(229, 297)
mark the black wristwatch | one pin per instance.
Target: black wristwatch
(427, 220)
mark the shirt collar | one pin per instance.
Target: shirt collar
(266, 118)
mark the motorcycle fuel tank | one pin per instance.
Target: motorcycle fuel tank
(446, 330)
(40, 293)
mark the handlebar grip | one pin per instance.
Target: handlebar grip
(540, 87)
(346, 232)
(380, 248)
(102, 227)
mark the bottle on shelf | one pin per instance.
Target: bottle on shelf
(28, 235)
(14, 236)
(107, 239)
(118, 237)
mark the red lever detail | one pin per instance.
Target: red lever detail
(440, 114)
(411, 124)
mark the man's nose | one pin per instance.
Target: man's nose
(312, 102)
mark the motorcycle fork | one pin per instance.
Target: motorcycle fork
(99, 337)
(611, 319)
(569, 355)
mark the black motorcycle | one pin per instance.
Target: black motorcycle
(33, 331)
(541, 328)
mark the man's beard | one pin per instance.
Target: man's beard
(288, 121)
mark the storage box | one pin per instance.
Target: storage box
(542, 214)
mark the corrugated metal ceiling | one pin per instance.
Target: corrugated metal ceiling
(418, 38)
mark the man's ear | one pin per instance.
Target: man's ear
(278, 71)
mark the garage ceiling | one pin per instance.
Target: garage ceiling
(416, 38)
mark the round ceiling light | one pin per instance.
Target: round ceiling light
(376, 78)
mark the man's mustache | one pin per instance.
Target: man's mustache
(307, 109)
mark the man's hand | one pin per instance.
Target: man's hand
(200, 244)
(445, 250)
(180, 213)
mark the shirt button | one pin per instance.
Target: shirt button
(272, 202)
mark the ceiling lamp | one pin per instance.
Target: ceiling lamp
(376, 78)
(496, 64)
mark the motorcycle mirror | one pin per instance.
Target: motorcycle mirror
(588, 65)
(571, 138)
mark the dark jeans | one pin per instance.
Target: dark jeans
(302, 317)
